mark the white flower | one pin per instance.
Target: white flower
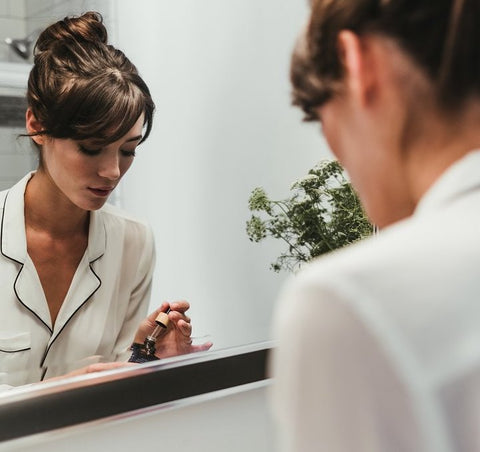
(304, 180)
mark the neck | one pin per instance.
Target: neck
(48, 210)
(444, 142)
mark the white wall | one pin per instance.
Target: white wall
(218, 71)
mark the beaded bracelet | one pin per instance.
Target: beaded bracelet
(139, 355)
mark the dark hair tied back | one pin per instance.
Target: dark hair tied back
(441, 36)
(88, 27)
(81, 87)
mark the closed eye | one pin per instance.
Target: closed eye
(128, 153)
(89, 151)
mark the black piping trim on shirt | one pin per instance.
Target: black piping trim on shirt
(15, 351)
(1, 233)
(23, 304)
(73, 314)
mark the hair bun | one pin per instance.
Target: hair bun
(85, 28)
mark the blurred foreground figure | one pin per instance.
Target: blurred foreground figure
(379, 343)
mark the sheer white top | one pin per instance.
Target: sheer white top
(379, 343)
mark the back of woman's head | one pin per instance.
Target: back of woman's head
(81, 87)
(442, 37)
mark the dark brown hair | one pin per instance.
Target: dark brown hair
(81, 87)
(441, 36)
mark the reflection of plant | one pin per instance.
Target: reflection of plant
(322, 214)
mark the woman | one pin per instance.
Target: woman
(76, 273)
(379, 343)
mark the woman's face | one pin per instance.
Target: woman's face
(86, 173)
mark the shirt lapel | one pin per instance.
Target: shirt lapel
(27, 286)
(29, 292)
(14, 241)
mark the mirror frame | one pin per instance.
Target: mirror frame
(130, 391)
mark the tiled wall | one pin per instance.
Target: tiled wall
(12, 24)
(17, 156)
(19, 18)
(40, 14)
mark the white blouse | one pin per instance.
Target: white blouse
(107, 299)
(379, 343)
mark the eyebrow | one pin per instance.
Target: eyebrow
(136, 138)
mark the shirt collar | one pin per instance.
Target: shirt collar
(97, 237)
(14, 240)
(461, 177)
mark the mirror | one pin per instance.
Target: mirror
(218, 72)
(150, 391)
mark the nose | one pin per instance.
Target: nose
(109, 166)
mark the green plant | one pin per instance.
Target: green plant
(323, 213)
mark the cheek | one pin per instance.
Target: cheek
(125, 164)
(76, 164)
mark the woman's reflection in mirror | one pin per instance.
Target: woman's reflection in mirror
(76, 272)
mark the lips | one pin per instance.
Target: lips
(101, 191)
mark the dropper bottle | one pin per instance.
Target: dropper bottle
(162, 322)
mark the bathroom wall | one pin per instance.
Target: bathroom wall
(218, 72)
(16, 154)
(12, 24)
(21, 18)
(41, 13)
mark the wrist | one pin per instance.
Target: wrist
(139, 354)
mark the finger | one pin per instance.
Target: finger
(99, 367)
(177, 316)
(185, 328)
(180, 306)
(202, 347)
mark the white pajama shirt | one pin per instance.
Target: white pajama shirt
(107, 299)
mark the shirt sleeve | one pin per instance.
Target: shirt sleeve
(334, 388)
(139, 298)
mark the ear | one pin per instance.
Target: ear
(357, 60)
(33, 125)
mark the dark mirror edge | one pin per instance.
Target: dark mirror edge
(78, 400)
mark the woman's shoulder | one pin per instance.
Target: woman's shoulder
(17, 190)
(361, 264)
(114, 212)
(114, 217)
